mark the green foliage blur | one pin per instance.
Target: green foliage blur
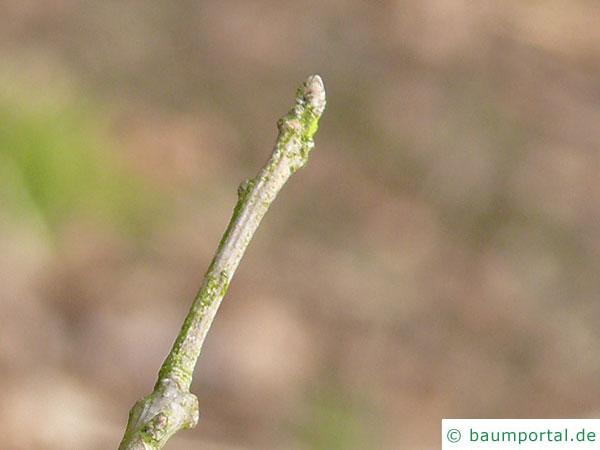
(57, 163)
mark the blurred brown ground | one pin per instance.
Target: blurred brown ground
(438, 257)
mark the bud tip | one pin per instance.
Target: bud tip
(314, 92)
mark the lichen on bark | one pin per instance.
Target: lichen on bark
(171, 407)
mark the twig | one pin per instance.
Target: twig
(171, 407)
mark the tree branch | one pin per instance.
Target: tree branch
(171, 407)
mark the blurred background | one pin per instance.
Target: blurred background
(439, 256)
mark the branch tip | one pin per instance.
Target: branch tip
(171, 406)
(314, 93)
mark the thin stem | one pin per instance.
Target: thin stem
(171, 407)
